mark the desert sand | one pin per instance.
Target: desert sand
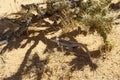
(36, 58)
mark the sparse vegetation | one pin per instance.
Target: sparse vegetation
(92, 15)
(28, 51)
(95, 15)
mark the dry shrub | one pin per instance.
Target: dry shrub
(94, 14)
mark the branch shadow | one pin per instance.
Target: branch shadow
(36, 64)
(21, 68)
(17, 44)
(82, 58)
(79, 62)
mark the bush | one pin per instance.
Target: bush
(95, 15)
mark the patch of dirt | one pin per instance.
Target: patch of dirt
(37, 58)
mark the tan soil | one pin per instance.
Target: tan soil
(36, 58)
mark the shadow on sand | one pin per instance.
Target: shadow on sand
(79, 62)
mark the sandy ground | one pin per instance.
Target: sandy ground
(36, 58)
(12, 6)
